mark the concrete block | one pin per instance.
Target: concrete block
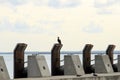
(103, 64)
(72, 65)
(118, 65)
(3, 70)
(37, 66)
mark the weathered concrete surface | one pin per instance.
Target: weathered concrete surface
(72, 65)
(103, 64)
(118, 63)
(37, 66)
(108, 76)
(3, 70)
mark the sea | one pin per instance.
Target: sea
(8, 58)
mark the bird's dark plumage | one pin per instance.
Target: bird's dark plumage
(59, 41)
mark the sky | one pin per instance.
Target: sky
(38, 23)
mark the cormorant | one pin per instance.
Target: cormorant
(59, 41)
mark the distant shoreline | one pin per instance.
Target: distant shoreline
(62, 52)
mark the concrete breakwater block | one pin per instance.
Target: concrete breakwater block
(118, 65)
(3, 70)
(37, 66)
(103, 64)
(72, 65)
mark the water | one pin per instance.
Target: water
(9, 59)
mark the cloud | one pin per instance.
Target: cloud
(106, 3)
(107, 6)
(72, 3)
(63, 3)
(41, 27)
(93, 28)
(105, 12)
(54, 3)
(50, 3)
(39, 22)
(20, 27)
(13, 2)
(5, 25)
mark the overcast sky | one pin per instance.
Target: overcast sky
(76, 22)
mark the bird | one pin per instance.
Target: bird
(59, 41)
